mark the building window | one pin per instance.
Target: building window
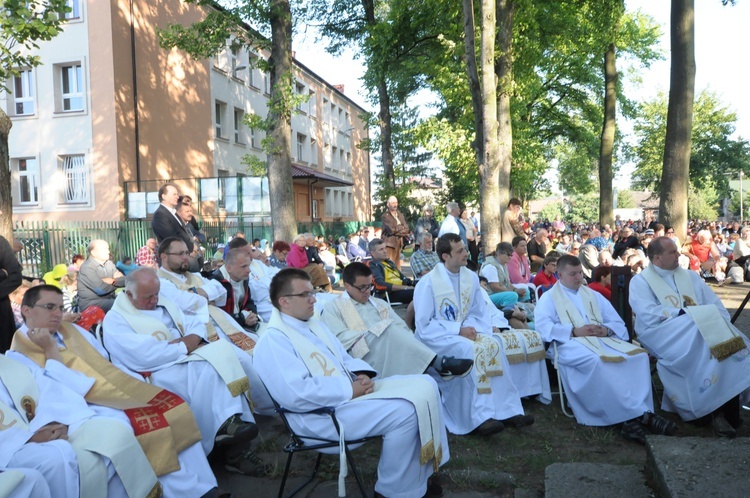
(238, 135)
(71, 87)
(23, 93)
(312, 104)
(75, 174)
(75, 9)
(342, 164)
(301, 140)
(335, 158)
(253, 141)
(219, 119)
(26, 181)
(266, 84)
(234, 59)
(252, 69)
(300, 89)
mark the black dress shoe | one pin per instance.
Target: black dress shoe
(235, 431)
(633, 430)
(488, 427)
(434, 487)
(722, 428)
(519, 421)
(658, 424)
(451, 367)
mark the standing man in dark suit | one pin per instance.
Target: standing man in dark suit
(166, 223)
(10, 279)
(394, 231)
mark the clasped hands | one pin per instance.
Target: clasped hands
(590, 330)
(362, 385)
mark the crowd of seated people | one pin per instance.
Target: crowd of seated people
(223, 332)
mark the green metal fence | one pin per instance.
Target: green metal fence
(47, 243)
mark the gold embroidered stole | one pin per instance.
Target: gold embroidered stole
(487, 359)
(416, 390)
(227, 324)
(568, 313)
(718, 333)
(219, 354)
(23, 391)
(519, 345)
(161, 420)
(354, 322)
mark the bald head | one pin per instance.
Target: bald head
(142, 288)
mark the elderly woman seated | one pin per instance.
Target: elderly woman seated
(710, 257)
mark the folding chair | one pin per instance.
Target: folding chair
(297, 443)
(560, 383)
(382, 291)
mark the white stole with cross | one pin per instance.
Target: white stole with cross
(418, 391)
(345, 305)
(219, 354)
(569, 313)
(720, 337)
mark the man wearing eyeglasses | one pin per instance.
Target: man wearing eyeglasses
(98, 278)
(591, 352)
(370, 329)
(306, 368)
(71, 356)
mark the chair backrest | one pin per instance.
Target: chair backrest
(621, 276)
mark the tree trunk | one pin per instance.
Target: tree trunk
(384, 115)
(475, 88)
(606, 216)
(504, 70)
(6, 202)
(675, 171)
(386, 133)
(489, 165)
(280, 180)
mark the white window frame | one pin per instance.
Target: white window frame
(253, 139)
(76, 10)
(75, 179)
(252, 68)
(219, 110)
(25, 80)
(312, 104)
(301, 140)
(32, 181)
(75, 86)
(239, 114)
(234, 59)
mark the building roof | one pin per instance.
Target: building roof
(300, 172)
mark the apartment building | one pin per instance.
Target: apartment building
(110, 115)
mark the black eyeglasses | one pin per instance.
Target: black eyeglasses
(49, 307)
(303, 295)
(363, 288)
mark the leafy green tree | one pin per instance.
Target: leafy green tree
(716, 157)
(625, 199)
(584, 208)
(212, 34)
(22, 26)
(703, 202)
(551, 211)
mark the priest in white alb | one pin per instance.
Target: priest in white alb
(147, 334)
(161, 421)
(202, 298)
(317, 372)
(452, 319)
(47, 427)
(702, 359)
(606, 379)
(369, 329)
